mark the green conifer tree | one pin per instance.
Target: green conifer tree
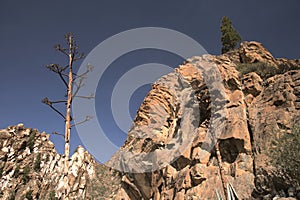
(230, 37)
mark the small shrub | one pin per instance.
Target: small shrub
(29, 195)
(285, 67)
(52, 195)
(30, 142)
(285, 154)
(1, 170)
(115, 173)
(265, 70)
(16, 172)
(37, 163)
(25, 176)
(12, 195)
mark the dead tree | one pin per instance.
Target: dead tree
(73, 83)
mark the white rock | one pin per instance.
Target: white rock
(20, 126)
(5, 149)
(26, 132)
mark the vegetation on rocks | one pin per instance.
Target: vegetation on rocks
(28, 195)
(37, 163)
(16, 172)
(39, 170)
(25, 176)
(265, 70)
(1, 170)
(12, 195)
(253, 109)
(99, 189)
(52, 195)
(285, 154)
(31, 139)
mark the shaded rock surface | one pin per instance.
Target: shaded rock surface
(242, 113)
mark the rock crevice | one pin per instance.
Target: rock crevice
(239, 112)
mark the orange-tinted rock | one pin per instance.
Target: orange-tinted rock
(240, 111)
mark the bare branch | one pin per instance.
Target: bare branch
(87, 118)
(62, 78)
(59, 101)
(56, 133)
(49, 103)
(78, 86)
(59, 48)
(69, 38)
(54, 67)
(74, 74)
(79, 83)
(66, 67)
(58, 112)
(80, 56)
(89, 68)
(83, 75)
(64, 74)
(92, 96)
(75, 48)
(46, 101)
(58, 69)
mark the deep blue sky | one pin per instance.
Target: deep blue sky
(29, 29)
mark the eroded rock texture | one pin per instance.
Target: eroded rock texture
(30, 168)
(30, 165)
(204, 101)
(171, 151)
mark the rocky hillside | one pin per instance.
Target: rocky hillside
(30, 168)
(211, 111)
(238, 100)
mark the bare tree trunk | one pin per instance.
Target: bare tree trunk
(72, 89)
(68, 120)
(222, 172)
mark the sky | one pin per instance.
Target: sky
(29, 30)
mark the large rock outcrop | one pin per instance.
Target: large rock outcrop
(209, 112)
(204, 101)
(272, 114)
(30, 168)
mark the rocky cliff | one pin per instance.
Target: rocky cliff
(211, 111)
(237, 101)
(30, 168)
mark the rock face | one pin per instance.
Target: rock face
(204, 101)
(272, 114)
(31, 168)
(204, 120)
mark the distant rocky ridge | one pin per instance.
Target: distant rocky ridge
(31, 168)
(257, 108)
